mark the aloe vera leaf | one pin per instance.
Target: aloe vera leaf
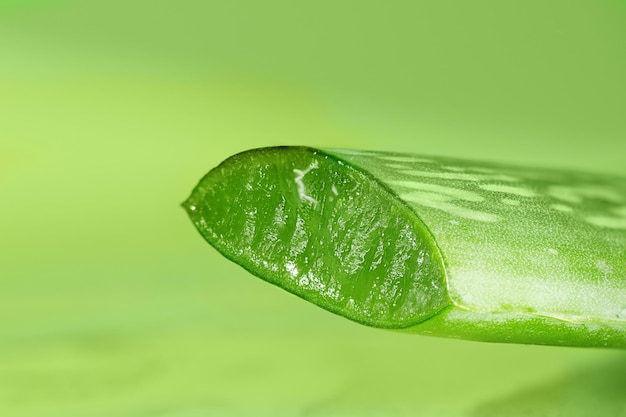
(427, 245)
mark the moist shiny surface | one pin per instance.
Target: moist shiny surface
(324, 231)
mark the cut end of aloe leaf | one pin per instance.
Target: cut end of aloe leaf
(324, 230)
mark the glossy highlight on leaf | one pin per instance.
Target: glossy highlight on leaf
(427, 245)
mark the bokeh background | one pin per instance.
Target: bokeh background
(110, 111)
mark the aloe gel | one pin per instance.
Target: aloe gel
(427, 245)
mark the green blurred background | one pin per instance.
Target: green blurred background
(110, 111)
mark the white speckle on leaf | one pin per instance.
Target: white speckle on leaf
(442, 175)
(456, 169)
(561, 207)
(564, 193)
(609, 222)
(510, 202)
(508, 189)
(447, 193)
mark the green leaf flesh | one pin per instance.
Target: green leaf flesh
(427, 245)
(325, 231)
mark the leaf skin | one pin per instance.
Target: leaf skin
(511, 254)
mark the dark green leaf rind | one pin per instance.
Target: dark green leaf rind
(457, 323)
